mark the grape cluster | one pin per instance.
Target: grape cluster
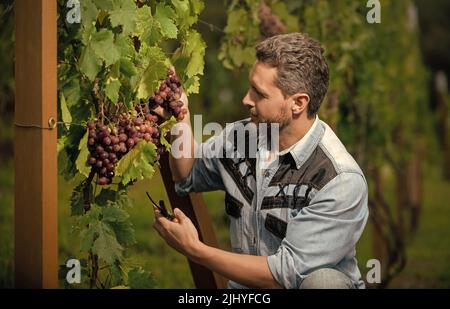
(270, 24)
(107, 144)
(168, 96)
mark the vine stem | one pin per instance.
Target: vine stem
(87, 192)
(94, 269)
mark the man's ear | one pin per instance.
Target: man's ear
(300, 102)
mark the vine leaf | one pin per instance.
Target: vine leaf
(138, 163)
(123, 14)
(141, 279)
(114, 214)
(83, 156)
(155, 70)
(102, 43)
(124, 232)
(147, 28)
(105, 245)
(189, 58)
(72, 92)
(125, 46)
(89, 13)
(127, 68)
(192, 85)
(77, 201)
(164, 128)
(164, 16)
(105, 5)
(112, 89)
(195, 48)
(89, 63)
(65, 113)
(104, 196)
(183, 10)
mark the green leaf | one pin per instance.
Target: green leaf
(71, 91)
(106, 5)
(163, 129)
(197, 6)
(195, 47)
(164, 16)
(125, 45)
(87, 237)
(147, 28)
(102, 42)
(144, 23)
(89, 13)
(183, 13)
(192, 85)
(83, 156)
(124, 232)
(104, 196)
(123, 14)
(105, 245)
(235, 20)
(138, 163)
(89, 63)
(112, 90)
(114, 214)
(77, 200)
(65, 113)
(127, 68)
(155, 70)
(140, 279)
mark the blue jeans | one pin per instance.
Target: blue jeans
(327, 278)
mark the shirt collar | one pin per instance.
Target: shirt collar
(302, 149)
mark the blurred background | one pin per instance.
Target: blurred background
(388, 102)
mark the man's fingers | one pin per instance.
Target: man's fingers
(161, 231)
(179, 215)
(161, 112)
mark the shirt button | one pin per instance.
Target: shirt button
(266, 174)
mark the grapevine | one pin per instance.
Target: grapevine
(124, 59)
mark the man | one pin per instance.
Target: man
(295, 222)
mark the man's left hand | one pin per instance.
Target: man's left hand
(180, 233)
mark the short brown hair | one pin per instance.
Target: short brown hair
(301, 66)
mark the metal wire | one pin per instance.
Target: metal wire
(36, 126)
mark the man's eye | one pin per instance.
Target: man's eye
(257, 92)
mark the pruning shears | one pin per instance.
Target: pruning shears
(161, 208)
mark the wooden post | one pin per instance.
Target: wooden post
(195, 208)
(36, 240)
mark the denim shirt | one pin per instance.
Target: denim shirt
(305, 211)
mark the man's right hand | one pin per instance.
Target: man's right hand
(164, 114)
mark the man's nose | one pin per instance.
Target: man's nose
(247, 101)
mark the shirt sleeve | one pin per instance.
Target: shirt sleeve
(324, 232)
(205, 174)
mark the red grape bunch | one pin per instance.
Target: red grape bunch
(270, 24)
(168, 96)
(107, 144)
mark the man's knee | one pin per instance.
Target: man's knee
(327, 278)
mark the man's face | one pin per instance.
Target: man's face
(264, 99)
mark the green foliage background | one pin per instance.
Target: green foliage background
(379, 102)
